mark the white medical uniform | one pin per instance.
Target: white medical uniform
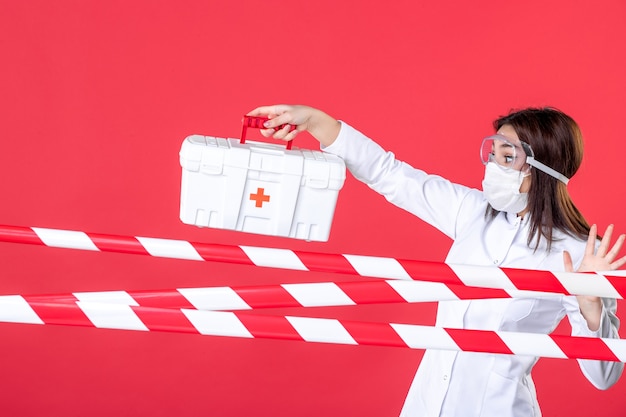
(470, 384)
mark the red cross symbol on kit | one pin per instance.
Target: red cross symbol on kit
(259, 198)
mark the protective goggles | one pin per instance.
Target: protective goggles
(506, 154)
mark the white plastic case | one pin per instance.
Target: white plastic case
(259, 187)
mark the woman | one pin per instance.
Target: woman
(523, 218)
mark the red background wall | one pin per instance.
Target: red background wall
(96, 98)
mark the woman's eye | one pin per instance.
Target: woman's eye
(509, 159)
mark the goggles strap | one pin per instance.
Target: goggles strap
(541, 167)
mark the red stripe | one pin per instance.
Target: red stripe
(16, 234)
(163, 319)
(376, 334)
(51, 298)
(222, 253)
(474, 293)
(478, 341)
(266, 297)
(326, 262)
(370, 292)
(619, 283)
(161, 298)
(535, 280)
(112, 243)
(274, 327)
(58, 310)
(430, 271)
(584, 347)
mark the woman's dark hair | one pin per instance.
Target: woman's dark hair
(557, 142)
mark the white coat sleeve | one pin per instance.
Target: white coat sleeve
(432, 198)
(602, 374)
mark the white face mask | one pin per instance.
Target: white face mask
(501, 188)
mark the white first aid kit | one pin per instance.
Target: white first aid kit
(259, 187)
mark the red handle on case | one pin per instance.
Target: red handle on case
(257, 122)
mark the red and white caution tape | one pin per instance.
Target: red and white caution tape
(16, 309)
(318, 294)
(597, 284)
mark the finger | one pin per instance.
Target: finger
(282, 132)
(291, 135)
(590, 248)
(567, 261)
(617, 247)
(267, 132)
(618, 264)
(274, 109)
(278, 120)
(261, 111)
(294, 132)
(606, 241)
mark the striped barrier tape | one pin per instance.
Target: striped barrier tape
(16, 309)
(317, 294)
(609, 285)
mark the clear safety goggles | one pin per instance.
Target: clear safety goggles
(506, 154)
